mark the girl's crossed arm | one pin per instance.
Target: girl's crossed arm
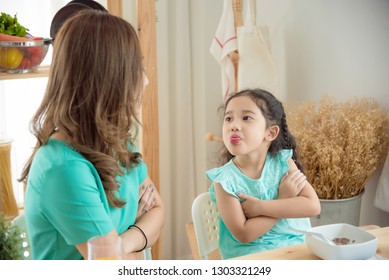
(243, 229)
(296, 199)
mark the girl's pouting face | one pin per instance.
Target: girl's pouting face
(244, 127)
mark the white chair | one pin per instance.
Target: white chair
(20, 222)
(205, 217)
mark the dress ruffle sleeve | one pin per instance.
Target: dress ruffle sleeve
(223, 177)
(284, 156)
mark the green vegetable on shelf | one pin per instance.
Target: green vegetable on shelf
(9, 25)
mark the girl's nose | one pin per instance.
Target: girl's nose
(235, 125)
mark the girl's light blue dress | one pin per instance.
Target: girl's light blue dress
(265, 188)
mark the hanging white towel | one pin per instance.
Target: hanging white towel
(224, 43)
(256, 66)
(381, 200)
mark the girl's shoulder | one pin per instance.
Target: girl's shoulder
(278, 164)
(281, 157)
(230, 179)
(226, 170)
(284, 154)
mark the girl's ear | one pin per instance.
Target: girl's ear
(272, 132)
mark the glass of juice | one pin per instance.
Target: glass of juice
(105, 247)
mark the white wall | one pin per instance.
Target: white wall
(341, 48)
(338, 47)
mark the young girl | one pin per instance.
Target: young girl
(260, 191)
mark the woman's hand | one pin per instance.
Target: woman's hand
(292, 184)
(146, 199)
(150, 222)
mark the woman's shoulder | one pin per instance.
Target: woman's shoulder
(58, 154)
(132, 147)
(57, 150)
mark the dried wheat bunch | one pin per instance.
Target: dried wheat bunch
(340, 144)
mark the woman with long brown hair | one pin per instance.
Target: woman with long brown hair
(85, 175)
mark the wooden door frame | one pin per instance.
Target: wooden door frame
(150, 130)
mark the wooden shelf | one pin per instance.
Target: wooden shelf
(42, 71)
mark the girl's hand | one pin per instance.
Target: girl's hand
(146, 199)
(292, 184)
(250, 205)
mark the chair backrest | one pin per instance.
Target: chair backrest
(206, 217)
(20, 222)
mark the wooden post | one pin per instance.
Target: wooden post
(147, 36)
(237, 6)
(238, 10)
(150, 129)
(115, 7)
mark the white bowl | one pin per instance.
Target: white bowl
(362, 245)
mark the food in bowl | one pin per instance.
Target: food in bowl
(23, 56)
(20, 52)
(358, 244)
(342, 240)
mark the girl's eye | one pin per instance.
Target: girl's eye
(246, 118)
(227, 119)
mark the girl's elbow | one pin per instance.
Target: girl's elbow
(243, 237)
(313, 207)
(316, 209)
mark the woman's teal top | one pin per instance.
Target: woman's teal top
(66, 204)
(234, 181)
